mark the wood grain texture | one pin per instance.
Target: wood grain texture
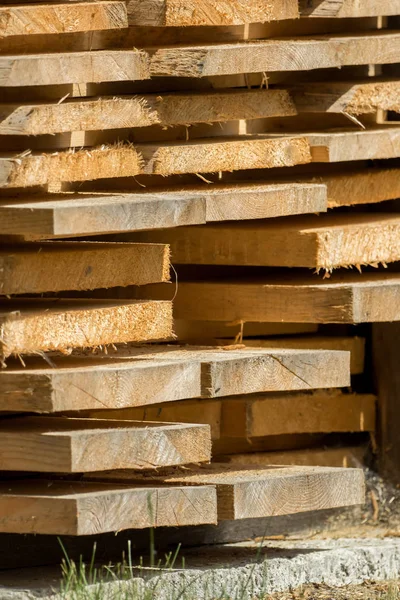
(324, 242)
(76, 508)
(79, 214)
(219, 154)
(351, 456)
(182, 13)
(36, 326)
(345, 298)
(365, 186)
(67, 445)
(348, 8)
(250, 493)
(355, 145)
(354, 345)
(73, 67)
(299, 54)
(34, 19)
(100, 113)
(97, 383)
(350, 97)
(209, 333)
(317, 412)
(204, 411)
(68, 215)
(226, 372)
(53, 267)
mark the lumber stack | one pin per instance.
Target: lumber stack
(248, 144)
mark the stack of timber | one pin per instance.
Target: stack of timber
(249, 142)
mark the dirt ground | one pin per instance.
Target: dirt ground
(367, 591)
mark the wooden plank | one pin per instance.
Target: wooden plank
(31, 169)
(65, 445)
(205, 412)
(182, 13)
(82, 214)
(299, 54)
(73, 67)
(212, 332)
(325, 242)
(355, 145)
(250, 493)
(354, 345)
(219, 154)
(385, 353)
(53, 267)
(368, 186)
(345, 298)
(68, 215)
(227, 372)
(351, 456)
(103, 382)
(348, 8)
(83, 508)
(317, 412)
(37, 326)
(102, 113)
(34, 19)
(350, 97)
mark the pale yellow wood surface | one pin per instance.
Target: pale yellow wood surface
(319, 412)
(181, 13)
(325, 242)
(95, 382)
(299, 54)
(65, 215)
(65, 445)
(102, 113)
(352, 456)
(53, 267)
(354, 345)
(365, 186)
(73, 67)
(207, 412)
(250, 493)
(355, 145)
(37, 326)
(345, 298)
(348, 8)
(351, 97)
(76, 508)
(62, 18)
(231, 371)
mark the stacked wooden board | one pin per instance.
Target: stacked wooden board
(217, 134)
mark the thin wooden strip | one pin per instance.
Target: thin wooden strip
(350, 97)
(53, 267)
(80, 214)
(36, 326)
(73, 67)
(301, 54)
(69, 215)
(83, 508)
(83, 165)
(249, 493)
(65, 445)
(34, 19)
(348, 8)
(226, 372)
(182, 13)
(92, 382)
(355, 145)
(345, 298)
(103, 113)
(325, 242)
(319, 412)
(361, 187)
(354, 345)
(349, 456)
